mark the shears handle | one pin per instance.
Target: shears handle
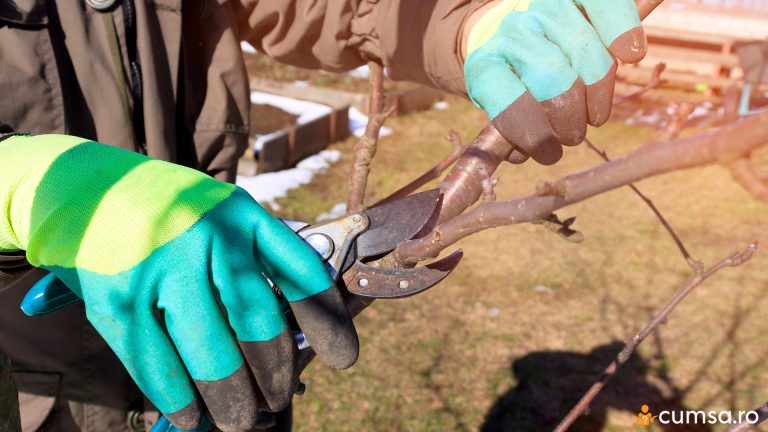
(48, 295)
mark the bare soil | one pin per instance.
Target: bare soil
(267, 118)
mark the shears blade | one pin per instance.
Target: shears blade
(394, 222)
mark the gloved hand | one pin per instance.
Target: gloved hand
(172, 266)
(544, 69)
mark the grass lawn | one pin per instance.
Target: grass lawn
(513, 338)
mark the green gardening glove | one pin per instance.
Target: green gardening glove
(544, 69)
(172, 266)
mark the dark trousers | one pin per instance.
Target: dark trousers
(67, 377)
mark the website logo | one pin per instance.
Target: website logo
(644, 417)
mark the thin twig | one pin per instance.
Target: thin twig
(631, 345)
(696, 265)
(433, 173)
(489, 194)
(365, 149)
(655, 82)
(678, 120)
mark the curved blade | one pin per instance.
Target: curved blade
(395, 222)
(373, 282)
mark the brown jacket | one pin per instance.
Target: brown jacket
(167, 80)
(67, 68)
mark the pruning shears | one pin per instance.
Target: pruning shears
(350, 246)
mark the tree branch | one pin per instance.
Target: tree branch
(365, 149)
(733, 260)
(462, 186)
(726, 145)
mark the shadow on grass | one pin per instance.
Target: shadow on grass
(550, 383)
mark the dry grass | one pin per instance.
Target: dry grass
(511, 340)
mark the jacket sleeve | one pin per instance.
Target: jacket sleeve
(13, 265)
(417, 40)
(5, 131)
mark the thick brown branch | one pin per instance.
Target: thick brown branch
(695, 264)
(433, 173)
(463, 185)
(365, 149)
(726, 144)
(631, 345)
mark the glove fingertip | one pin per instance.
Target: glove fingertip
(631, 46)
(231, 401)
(329, 328)
(187, 418)
(517, 156)
(600, 98)
(567, 114)
(273, 365)
(524, 124)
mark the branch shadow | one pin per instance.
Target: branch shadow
(550, 383)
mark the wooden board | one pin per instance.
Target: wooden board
(300, 141)
(640, 75)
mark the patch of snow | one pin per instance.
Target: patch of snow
(543, 289)
(441, 105)
(361, 72)
(653, 118)
(267, 188)
(247, 48)
(699, 111)
(336, 211)
(357, 122)
(300, 83)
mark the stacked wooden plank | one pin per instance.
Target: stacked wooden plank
(698, 41)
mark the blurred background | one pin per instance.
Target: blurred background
(513, 338)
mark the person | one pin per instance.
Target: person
(147, 231)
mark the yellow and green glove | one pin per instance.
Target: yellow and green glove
(544, 69)
(174, 270)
